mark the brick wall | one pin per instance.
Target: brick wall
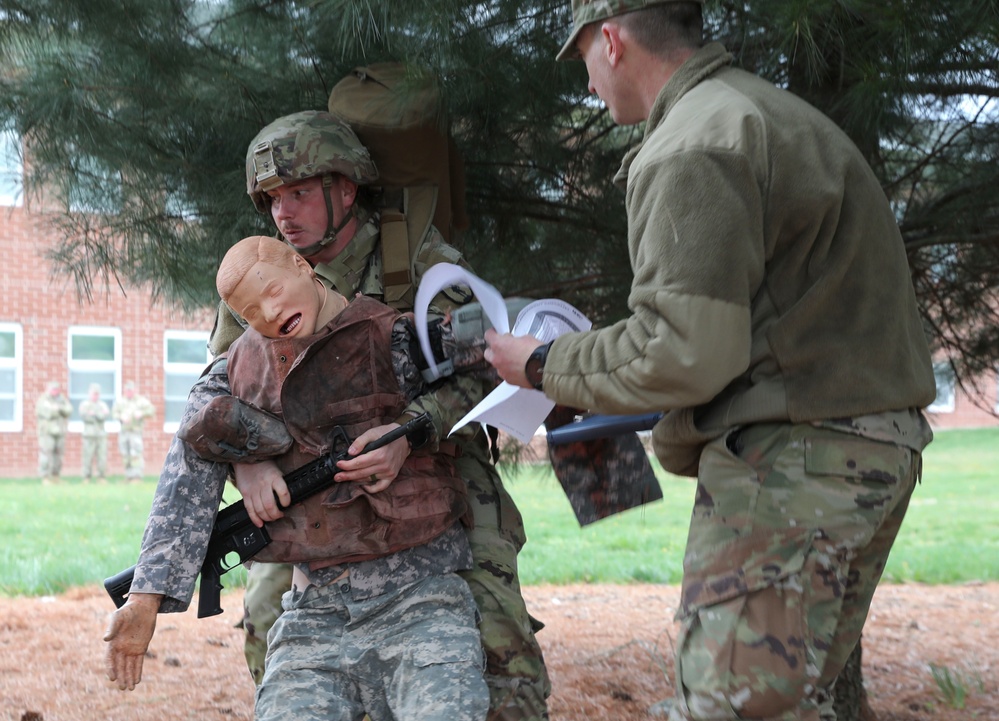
(46, 306)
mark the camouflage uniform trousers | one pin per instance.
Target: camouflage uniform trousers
(50, 451)
(789, 535)
(515, 667)
(410, 654)
(266, 583)
(130, 448)
(95, 456)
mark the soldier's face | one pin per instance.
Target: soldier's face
(601, 49)
(299, 211)
(278, 302)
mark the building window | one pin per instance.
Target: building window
(185, 355)
(94, 357)
(11, 169)
(93, 188)
(943, 373)
(11, 355)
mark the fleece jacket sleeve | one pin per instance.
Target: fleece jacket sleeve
(696, 242)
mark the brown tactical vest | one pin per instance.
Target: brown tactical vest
(343, 376)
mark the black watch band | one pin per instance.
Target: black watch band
(535, 367)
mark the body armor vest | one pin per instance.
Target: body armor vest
(343, 377)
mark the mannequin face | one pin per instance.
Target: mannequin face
(279, 302)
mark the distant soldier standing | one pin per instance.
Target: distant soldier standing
(131, 411)
(52, 413)
(94, 412)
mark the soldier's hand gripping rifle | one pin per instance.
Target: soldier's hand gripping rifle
(234, 532)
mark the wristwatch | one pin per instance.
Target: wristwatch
(535, 367)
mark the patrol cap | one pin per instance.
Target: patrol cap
(585, 12)
(51, 386)
(94, 388)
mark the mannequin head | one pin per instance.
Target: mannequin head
(275, 289)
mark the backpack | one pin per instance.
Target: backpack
(398, 115)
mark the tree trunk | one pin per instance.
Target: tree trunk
(850, 700)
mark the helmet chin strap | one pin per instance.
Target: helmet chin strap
(331, 232)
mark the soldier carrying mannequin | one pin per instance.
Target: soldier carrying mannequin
(318, 183)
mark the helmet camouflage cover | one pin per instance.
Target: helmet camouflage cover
(304, 145)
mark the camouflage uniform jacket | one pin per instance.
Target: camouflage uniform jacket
(132, 412)
(93, 414)
(52, 414)
(770, 277)
(343, 377)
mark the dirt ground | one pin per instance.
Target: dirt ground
(608, 649)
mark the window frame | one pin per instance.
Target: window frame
(15, 425)
(82, 366)
(12, 167)
(170, 367)
(943, 370)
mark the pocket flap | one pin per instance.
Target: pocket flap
(853, 458)
(745, 566)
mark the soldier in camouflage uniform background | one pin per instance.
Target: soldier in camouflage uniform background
(773, 317)
(317, 170)
(94, 412)
(132, 410)
(52, 412)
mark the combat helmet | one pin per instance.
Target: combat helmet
(304, 145)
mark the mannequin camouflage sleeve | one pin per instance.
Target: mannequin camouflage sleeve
(183, 512)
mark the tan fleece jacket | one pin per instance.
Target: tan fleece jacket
(770, 278)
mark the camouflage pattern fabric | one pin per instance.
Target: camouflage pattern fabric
(261, 608)
(304, 145)
(412, 653)
(602, 476)
(132, 453)
(132, 414)
(183, 510)
(50, 453)
(515, 667)
(95, 438)
(585, 12)
(52, 417)
(790, 531)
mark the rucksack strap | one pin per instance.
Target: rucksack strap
(402, 235)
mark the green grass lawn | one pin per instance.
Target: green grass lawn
(57, 537)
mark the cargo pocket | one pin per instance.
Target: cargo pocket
(862, 481)
(728, 489)
(743, 649)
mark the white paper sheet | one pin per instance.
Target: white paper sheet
(441, 276)
(514, 410)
